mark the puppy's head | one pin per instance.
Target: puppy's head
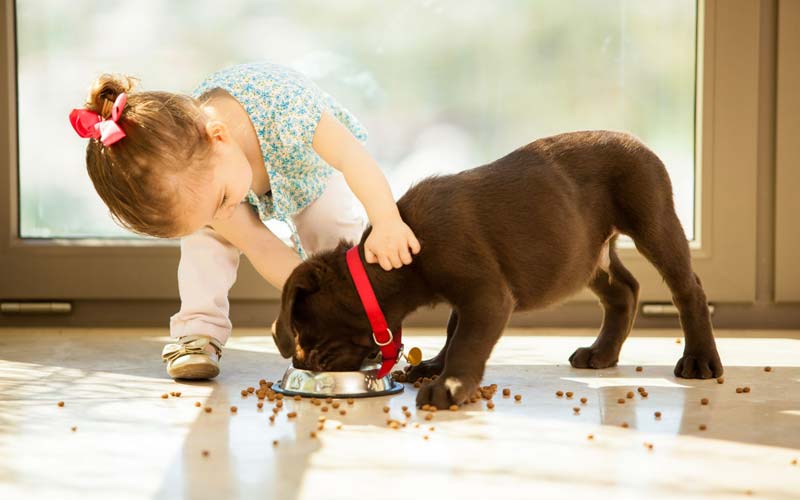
(322, 325)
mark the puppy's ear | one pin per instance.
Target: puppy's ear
(304, 279)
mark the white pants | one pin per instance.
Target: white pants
(208, 264)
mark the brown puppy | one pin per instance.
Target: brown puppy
(523, 232)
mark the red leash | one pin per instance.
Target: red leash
(391, 345)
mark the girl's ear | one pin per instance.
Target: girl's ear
(218, 131)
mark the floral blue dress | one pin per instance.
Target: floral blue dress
(285, 108)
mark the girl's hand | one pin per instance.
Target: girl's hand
(388, 244)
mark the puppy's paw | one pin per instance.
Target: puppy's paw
(427, 368)
(593, 357)
(699, 365)
(445, 391)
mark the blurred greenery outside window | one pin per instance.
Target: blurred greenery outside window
(441, 85)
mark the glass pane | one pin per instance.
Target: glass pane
(442, 85)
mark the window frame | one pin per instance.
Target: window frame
(723, 255)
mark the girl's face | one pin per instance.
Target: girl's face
(227, 181)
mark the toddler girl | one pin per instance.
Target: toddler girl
(254, 142)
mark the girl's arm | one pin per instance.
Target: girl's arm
(273, 260)
(390, 239)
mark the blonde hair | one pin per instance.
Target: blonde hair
(136, 177)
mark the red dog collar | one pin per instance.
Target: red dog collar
(391, 345)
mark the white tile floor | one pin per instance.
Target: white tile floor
(131, 443)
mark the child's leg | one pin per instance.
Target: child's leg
(206, 272)
(331, 217)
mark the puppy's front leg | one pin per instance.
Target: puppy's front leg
(480, 324)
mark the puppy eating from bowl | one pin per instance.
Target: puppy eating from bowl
(523, 232)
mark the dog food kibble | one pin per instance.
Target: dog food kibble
(629, 395)
(325, 409)
(329, 400)
(704, 401)
(794, 461)
(745, 389)
(576, 410)
(251, 390)
(350, 401)
(490, 405)
(339, 427)
(275, 410)
(274, 442)
(558, 393)
(279, 404)
(298, 397)
(590, 437)
(272, 418)
(643, 394)
(164, 396)
(767, 368)
(583, 401)
(291, 414)
(518, 397)
(207, 409)
(739, 390)
(342, 412)
(335, 405)
(198, 404)
(204, 453)
(624, 425)
(60, 404)
(640, 390)
(569, 394)
(658, 414)
(639, 368)
(417, 385)
(407, 414)
(702, 427)
(321, 426)
(649, 446)
(506, 392)
(453, 407)
(321, 418)
(260, 405)
(425, 437)
(394, 424)
(244, 393)
(73, 428)
(621, 401)
(677, 341)
(405, 408)
(234, 409)
(262, 382)
(312, 434)
(385, 409)
(721, 380)
(429, 416)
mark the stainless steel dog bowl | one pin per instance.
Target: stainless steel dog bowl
(360, 384)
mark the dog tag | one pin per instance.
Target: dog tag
(414, 356)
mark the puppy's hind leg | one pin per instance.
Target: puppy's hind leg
(435, 365)
(618, 292)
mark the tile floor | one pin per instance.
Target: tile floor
(131, 443)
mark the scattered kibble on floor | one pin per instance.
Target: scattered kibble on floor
(767, 368)
(558, 393)
(702, 427)
(704, 401)
(621, 401)
(60, 404)
(583, 401)
(453, 407)
(639, 368)
(204, 453)
(517, 397)
(234, 409)
(658, 414)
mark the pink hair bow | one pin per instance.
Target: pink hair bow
(89, 124)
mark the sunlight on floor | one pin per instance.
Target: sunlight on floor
(132, 443)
